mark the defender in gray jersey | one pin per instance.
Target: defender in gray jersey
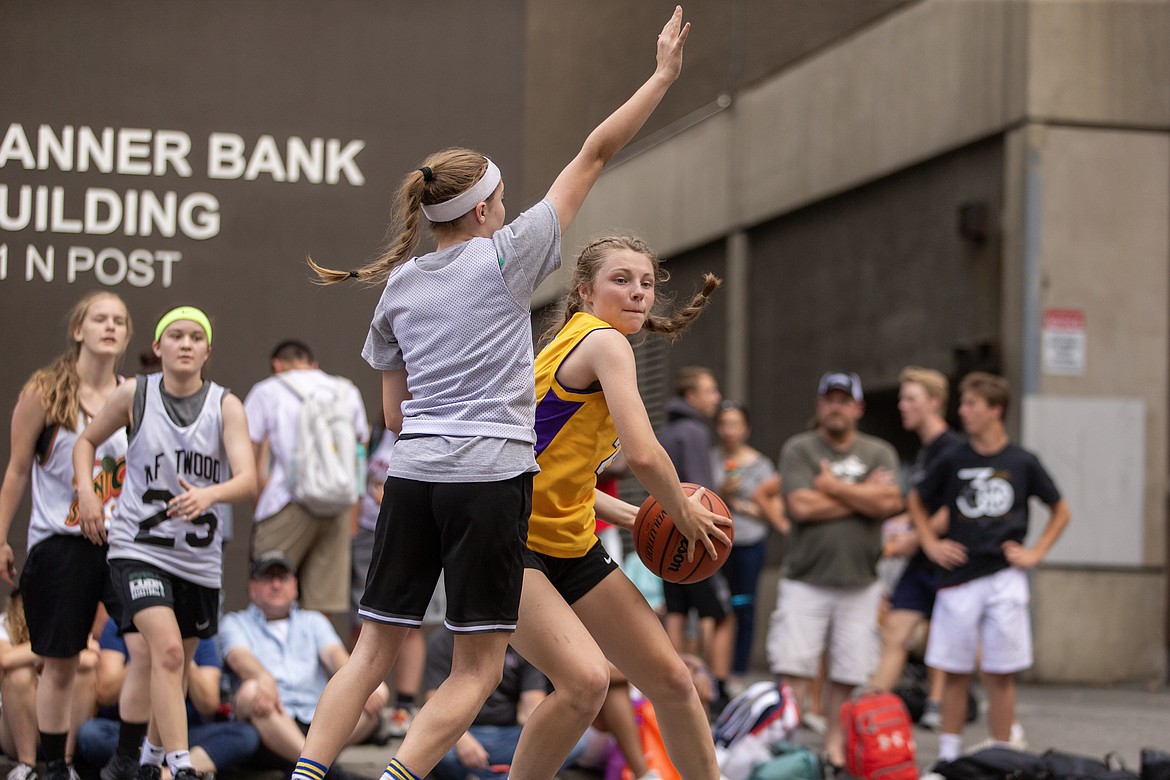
(452, 338)
(64, 575)
(189, 456)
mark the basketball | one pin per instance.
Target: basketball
(664, 549)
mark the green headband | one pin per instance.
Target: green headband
(183, 313)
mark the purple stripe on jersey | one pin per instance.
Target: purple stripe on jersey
(552, 413)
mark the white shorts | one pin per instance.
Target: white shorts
(988, 613)
(809, 618)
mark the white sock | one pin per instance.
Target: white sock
(949, 746)
(152, 755)
(179, 759)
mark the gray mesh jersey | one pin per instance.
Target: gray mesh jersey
(464, 337)
(160, 452)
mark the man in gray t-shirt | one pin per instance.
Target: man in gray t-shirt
(838, 487)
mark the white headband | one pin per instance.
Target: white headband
(466, 200)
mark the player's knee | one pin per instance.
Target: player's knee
(245, 697)
(170, 657)
(592, 687)
(673, 684)
(23, 678)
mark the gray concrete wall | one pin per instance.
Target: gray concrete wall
(824, 164)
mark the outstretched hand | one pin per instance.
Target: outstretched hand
(670, 44)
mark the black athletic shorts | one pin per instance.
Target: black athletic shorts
(573, 577)
(473, 531)
(711, 597)
(141, 585)
(62, 582)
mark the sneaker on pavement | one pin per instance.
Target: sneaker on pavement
(931, 716)
(817, 724)
(120, 768)
(186, 773)
(399, 723)
(148, 772)
(23, 772)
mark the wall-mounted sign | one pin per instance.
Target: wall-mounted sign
(1063, 342)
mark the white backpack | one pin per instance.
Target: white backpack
(323, 473)
(752, 722)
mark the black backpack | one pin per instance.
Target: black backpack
(995, 763)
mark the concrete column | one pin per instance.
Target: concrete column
(736, 289)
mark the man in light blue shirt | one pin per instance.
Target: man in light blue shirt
(301, 651)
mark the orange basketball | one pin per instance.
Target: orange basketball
(664, 549)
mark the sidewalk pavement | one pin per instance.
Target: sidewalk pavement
(1090, 721)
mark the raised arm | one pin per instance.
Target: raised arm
(114, 415)
(574, 182)
(28, 419)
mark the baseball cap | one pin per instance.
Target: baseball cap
(265, 561)
(849, 384)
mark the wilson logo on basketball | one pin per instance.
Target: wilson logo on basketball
(680, 555)
(663, 547)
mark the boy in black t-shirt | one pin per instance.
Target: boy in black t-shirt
(982, 606)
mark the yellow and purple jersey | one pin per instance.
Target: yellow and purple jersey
(575, 441)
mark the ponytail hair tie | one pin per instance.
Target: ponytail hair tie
(428, 174)
(352, 274)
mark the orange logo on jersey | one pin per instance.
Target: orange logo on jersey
(107, 483)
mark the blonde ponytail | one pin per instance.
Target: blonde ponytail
(451, 172)
(680, 319)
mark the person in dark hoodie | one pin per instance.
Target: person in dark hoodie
(686, 437)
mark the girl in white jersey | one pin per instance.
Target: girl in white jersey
(188, 456)
(452, 338)
(64, 575)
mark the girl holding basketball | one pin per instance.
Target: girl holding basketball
(588, 401)
(189, 455)
(64, 575)
(452, 338)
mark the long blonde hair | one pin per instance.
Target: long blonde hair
(58, 382)
(585, 272)
(14, 620)
(452, 172)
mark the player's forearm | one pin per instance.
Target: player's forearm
(614, 510)
(920, 520)
(875, 501)
(1053, 530)
(806, 505)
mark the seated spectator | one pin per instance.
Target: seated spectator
(486, 749)
(19, 671)
(216, 746)
(300, 651)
